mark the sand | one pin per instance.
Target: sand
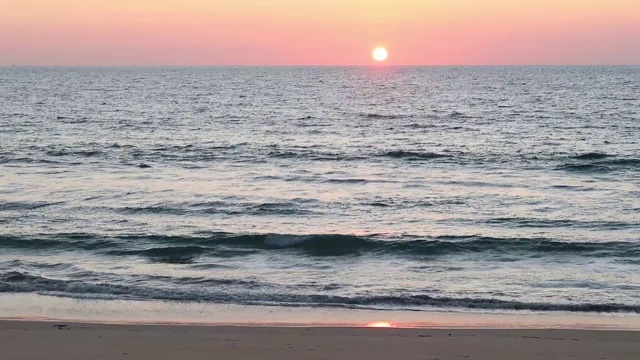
(41, 340)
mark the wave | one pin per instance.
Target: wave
(225, 208)
(492, 304)
(319, 244)
(59, 242)
(127, 153)
(602, 165)
(327, 156)
(381, 116)
(278, 208)
(412, 155)
(188, 155)
(311, 155)
(153, 209)
(591, 156)
(29, 160)
(38, 266)
(584, 168)
(196, 155)
(349, 244)
(187, 248)
(550, 223)
(21, 205)
(243, 292)
(68, 120)
(631, 162)
(355, 181)
(82, 153)
(460, 115)
(379, 204)
(170, 255)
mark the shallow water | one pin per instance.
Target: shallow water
(497, 188)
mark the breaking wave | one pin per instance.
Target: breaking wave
(218, 291)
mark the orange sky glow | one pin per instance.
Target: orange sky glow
(318, 32)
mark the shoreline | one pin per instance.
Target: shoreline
(32, 307)
(257, 325)
(105, 341)
(325, 325)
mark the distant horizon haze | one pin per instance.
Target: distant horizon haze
(318, 33)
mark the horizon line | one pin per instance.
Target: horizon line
(304, 65)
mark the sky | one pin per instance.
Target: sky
(319, 32)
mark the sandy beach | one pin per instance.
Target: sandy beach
(43, 340)
(306, 180)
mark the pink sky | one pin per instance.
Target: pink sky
(318, 32)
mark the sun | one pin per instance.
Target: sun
(380, 54)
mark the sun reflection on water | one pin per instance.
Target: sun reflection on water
(380, 324)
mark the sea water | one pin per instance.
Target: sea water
(384, 188)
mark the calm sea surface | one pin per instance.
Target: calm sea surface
(497, 188)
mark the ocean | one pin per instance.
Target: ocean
(464, 189)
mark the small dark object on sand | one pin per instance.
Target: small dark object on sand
(60, 326)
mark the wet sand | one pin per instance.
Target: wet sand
(42, 340)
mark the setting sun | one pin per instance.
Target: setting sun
(380, 54)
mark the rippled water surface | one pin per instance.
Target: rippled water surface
(514, 188)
